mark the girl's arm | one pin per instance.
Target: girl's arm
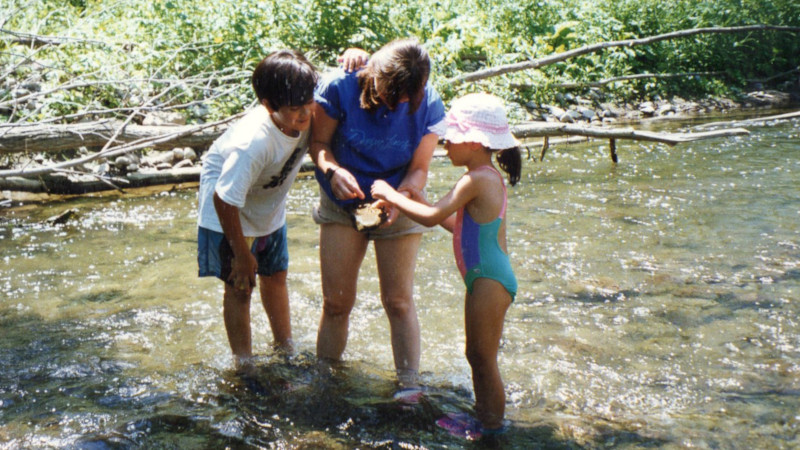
(416, 176)
(429, 215)
(343, 183)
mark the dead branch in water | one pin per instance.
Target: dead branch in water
(753, 121)
(562, 129)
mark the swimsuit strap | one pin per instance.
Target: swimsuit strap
(503, 183)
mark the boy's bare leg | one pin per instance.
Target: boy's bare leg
(396, 263)
(484, 313)
(236, 313)
(341, 251)
(275, 298)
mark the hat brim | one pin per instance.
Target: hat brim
(492, 141)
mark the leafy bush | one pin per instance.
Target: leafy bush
(196, 56)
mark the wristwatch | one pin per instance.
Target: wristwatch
(329, 173)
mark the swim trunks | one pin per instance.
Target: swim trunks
(215, 256)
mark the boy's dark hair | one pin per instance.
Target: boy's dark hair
(399, 69)
(285, 78)
(510, 160)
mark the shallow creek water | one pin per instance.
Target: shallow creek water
(659, 306)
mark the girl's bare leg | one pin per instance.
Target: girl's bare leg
(485, 311)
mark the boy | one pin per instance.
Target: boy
(246, 176)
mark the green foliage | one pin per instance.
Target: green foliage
(185, 53)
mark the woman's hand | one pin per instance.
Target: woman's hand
(344, 185)
(353, 59)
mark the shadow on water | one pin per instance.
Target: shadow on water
(297, 403)
(54, 379)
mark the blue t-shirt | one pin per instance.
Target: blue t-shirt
(377, 145)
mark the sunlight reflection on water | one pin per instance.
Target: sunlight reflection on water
(658, 304)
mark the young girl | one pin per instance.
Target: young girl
(474, 211)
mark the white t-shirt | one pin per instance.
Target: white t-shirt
(251, 166)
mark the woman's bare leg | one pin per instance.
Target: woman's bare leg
(396, 263)
(341, 251)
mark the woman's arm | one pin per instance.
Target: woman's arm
(417, 175)
(343, 183)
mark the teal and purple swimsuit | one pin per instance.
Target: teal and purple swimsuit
(477, 249)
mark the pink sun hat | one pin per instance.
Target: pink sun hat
(478, 118)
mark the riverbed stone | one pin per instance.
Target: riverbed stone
(647, 108)
(575, 115)
(190, 154)
(164, 118)
(183, 163)
(122, 162)
(587, 113)
(665, 109)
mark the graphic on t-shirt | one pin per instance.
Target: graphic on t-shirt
(278, 179)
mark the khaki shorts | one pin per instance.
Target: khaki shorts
(329, 212)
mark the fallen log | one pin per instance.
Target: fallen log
(51, 138)
(56, 181)
(62, 183)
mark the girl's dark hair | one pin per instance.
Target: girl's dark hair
(285, 78)
(510, 160)
(399, 69)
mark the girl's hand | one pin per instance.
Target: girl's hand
(353, 59)
(344, 185)
(381, 190)
(392, 213)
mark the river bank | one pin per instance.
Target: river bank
(183, 164)
(595, 108)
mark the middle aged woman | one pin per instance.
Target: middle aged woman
(376, 123)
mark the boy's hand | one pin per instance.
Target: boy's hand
(243, 272)
(353, 59)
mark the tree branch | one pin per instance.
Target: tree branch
(552, 59)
